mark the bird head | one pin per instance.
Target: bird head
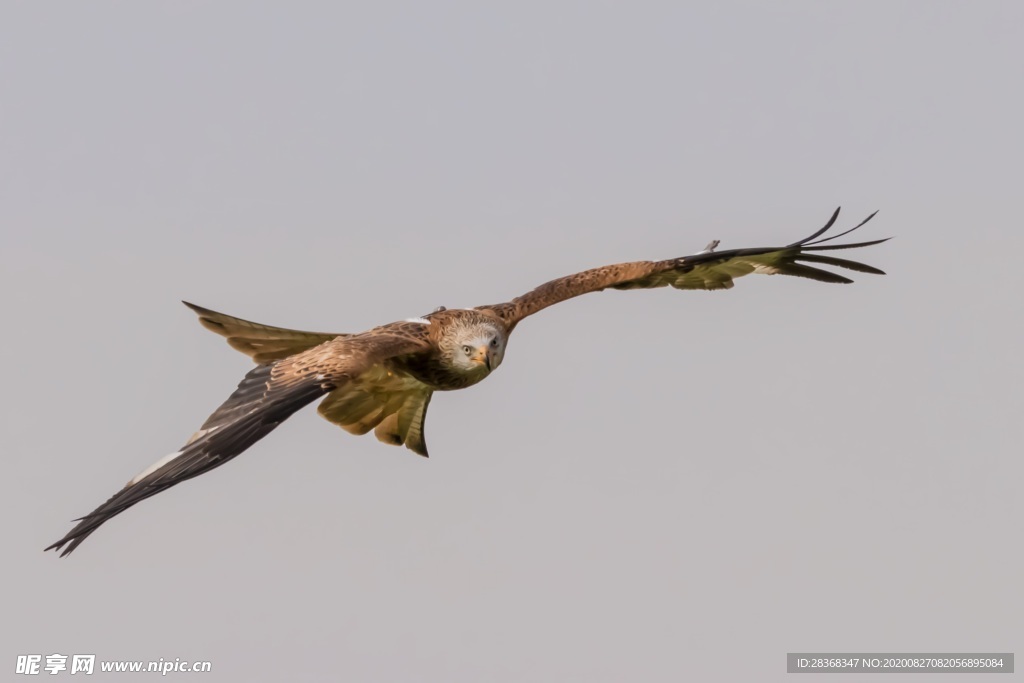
(476, 347)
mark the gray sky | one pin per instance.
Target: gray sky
(656, 486)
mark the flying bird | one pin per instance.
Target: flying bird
(383, 379)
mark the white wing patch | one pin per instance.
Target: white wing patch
(421, 321)
(153, 468)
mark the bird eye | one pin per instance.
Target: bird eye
(467, 349)
(494, 342)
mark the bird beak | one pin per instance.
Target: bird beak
(483, 356)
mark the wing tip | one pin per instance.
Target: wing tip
(205, 314)
(59, 548)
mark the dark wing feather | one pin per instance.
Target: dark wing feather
(262, 343)
(707, 270)
(840, 263)
(266, 397)
(260, 404)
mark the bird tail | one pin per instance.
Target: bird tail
(262, 343)
(210, 448)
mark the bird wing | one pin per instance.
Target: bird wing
(267, 396)
(708, 269)
(385, 397)
(262, 343)
(392, 405)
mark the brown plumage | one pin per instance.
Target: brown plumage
(383, 379)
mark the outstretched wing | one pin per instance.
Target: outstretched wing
(265, 398)
(708, 269)
(394, 407)
(262, 343)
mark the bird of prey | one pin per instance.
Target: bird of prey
(383, 379)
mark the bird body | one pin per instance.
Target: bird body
(383, 379)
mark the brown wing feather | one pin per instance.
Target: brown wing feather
(556, 291)
(707, 270)
(267, 396)
(262, 343)
(388, 402)
(405, 425)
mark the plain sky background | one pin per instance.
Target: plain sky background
(655, 486)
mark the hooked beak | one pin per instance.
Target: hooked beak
(483, 356)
